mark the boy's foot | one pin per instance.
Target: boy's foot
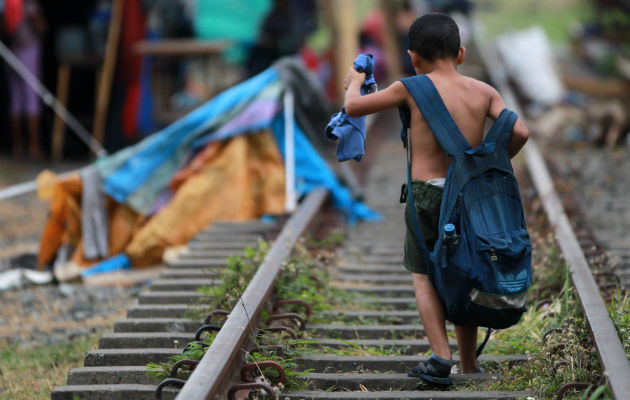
(478, 369)
(435, 370)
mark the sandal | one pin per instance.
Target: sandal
(434, 370)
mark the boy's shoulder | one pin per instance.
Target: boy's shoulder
(466, 86)
(467, 80)
(477, 84)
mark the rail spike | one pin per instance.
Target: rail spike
(205, 328)
(257, 385)
(181, 363)
(168, 382)
(258, 366)
(301, 323)
(284, 302)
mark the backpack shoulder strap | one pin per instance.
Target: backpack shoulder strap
(405, 118)
(436, 114)
(501, 131)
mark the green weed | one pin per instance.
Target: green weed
(619, 309)
(193, 351)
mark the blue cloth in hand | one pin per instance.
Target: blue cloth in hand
(365, 63)
(348, 130)
(351, 134)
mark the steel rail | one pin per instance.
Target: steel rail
(208, 377)
(609, 348)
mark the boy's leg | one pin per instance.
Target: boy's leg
(467, 344)
(432, 315)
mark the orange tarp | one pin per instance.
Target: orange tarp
(64, 221)
(240, 179)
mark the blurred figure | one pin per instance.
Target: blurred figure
(25, 25)
(405, 16)
(282, 33)
(372, 41)
(450, 6)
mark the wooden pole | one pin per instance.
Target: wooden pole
(107, 74)
(392, 47)
(59, 128)
(345, 41)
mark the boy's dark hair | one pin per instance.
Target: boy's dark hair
(434, 35)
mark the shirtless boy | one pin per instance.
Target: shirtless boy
(434, 48)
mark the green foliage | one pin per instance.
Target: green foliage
(231, 281)
(234, 278)
(305, 277)
(193, 351)
(354, 349)
(302, 277)
(619, 309)
(331, 240)
(288, 364)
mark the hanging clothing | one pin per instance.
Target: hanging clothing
(348, 130)
(94, 218)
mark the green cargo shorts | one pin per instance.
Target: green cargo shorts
(427, 200)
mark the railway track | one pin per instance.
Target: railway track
(383, 323)
(155, 328)
(382, 327)
(360, 351)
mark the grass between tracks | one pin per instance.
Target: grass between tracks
(30, 373)
(303, 277)
(566, 355)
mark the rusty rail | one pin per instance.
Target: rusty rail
(207, 379)
(609, 348)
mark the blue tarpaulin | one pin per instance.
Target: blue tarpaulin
(138, 174)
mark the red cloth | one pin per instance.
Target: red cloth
(13, 14)
(133, 29)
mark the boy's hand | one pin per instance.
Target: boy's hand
(352, 76)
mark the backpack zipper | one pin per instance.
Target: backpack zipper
(493, 255)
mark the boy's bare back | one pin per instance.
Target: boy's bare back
(469, 102)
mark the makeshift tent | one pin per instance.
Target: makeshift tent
(223, 161)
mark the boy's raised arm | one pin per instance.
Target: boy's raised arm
(358, 106)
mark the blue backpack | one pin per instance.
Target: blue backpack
(483, 279)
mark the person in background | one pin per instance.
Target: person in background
(25, 27)
(282, 33)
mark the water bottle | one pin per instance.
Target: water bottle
(450, 238)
